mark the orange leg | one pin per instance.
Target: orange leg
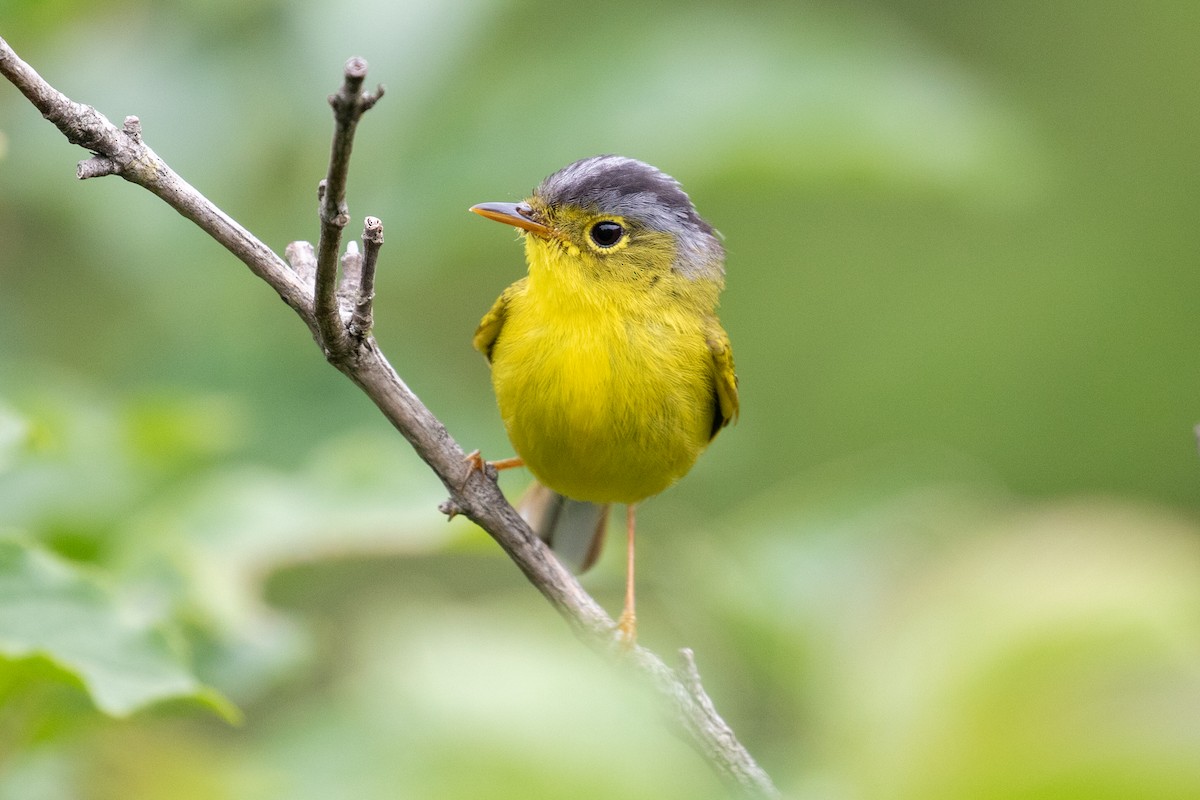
(627, 625)
(476, 463)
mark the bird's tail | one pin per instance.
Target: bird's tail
(574, 529)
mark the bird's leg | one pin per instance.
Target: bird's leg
(476, 463)
(627, 624)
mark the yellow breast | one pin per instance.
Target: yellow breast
(608, 396)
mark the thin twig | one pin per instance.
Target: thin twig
(362, 317)
(122, 152)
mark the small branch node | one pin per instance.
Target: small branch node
(369, 99)
(96, 167)
(347, 102)
(689, 675)
(356, 68)
(351, 279)
(373, 229)
(450, 508)
(303, 260)
(133, 128)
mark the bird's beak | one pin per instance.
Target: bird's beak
(519, 215)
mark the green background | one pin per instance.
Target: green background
(950, 550)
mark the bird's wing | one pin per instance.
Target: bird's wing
(724, 376)
(493, 320)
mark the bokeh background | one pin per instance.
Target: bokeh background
(951, 550)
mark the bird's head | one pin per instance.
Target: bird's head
(613, 218)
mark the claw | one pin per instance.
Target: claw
(627, 631)
(475, 463)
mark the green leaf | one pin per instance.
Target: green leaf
(50, 609)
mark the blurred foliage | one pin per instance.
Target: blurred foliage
(52, 612)
(950, 551)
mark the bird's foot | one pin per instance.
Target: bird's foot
(475, 463)
(627, 630)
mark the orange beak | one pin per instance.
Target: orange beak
(519, 215)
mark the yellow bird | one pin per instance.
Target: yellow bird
(611, 369)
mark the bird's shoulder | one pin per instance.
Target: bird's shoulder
(493, 320)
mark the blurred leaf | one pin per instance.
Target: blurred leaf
(50, 610)
(1053, 653)
(450, 703)
(75, 478)
(357, 495)
(177, 431)
(14, 433)
(209, 546)
(937, 644)
(38, 774)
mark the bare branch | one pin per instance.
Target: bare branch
(122, 152)
(349, 104)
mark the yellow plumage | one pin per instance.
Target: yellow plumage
(608, 389)
(611, 370)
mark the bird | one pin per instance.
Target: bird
(611, 369)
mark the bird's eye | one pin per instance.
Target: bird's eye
(607, 233)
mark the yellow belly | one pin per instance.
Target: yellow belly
(603, 407)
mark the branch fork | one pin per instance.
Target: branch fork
(340, 319)
(337, 338)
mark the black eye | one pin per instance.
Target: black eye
(606, 234)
